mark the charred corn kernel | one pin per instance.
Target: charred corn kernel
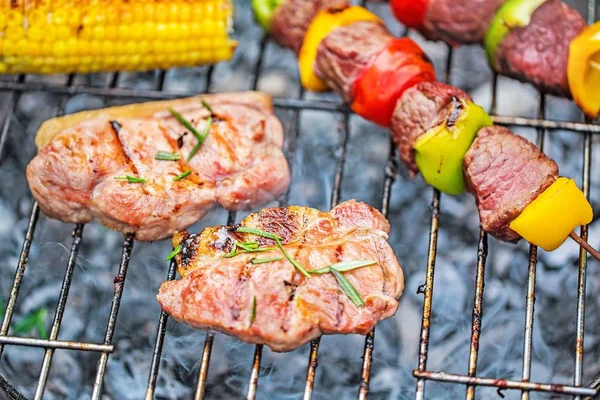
(322, 24)
(583, 69)
(549, 219)
(50, 36)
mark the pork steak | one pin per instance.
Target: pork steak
(272, 303)
(239, 165)
(505, 173)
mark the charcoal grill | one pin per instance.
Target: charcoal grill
(296, 105)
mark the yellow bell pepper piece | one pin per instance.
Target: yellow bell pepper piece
(549, 219)
(322, 24)
(583, 70)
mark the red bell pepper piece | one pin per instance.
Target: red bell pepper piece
(400, 65)
(411, 13)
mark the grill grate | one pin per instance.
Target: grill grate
(296, 105)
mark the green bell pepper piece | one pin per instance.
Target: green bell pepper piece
(513, 14)
(264, 10)
(440, 151)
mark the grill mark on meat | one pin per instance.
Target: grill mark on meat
(115, 126)
(279, 221)
(456, 108)
(116, 129)
(188, 250)
(242, 282)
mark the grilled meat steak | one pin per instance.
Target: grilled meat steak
(460, 21)
(239, 165)
(272, 303)
(505, 173)
(345, 53)
(292, 18)
(420, 108)
(538, 53)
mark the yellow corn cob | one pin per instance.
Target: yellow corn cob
(54, 36)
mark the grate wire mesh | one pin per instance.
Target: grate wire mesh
(296, 105)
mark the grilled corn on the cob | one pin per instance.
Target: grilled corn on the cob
(52, 36)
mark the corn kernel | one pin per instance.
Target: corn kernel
(60, 17)
(14, 32)
(14, 18)
(63, 32)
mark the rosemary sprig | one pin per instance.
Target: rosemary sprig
(207, 106)
(253, 312)
(343, 266)
(166, 156)
(348, 288)
(265, 260)
(182, 175)
(277, 239)
(175, 251)
(247, 247)
(131, 179)
(185, 123)
(258, 232)
(201, 139)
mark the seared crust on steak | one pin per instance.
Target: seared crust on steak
(538, 53)
(345, 53)
(420, 108)
(239, 165)
(292, 18)
(459, 21)
(505, 173)
(218, 293)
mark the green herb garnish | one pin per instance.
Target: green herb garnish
(182, 175)
(253, 312)
(343, 266)
(207, 106)
(201, 139)
(175, 251)
(185, 123)
(258, 232)
(265, 260)
(277, 239)
(347, 287)
(166, 156)
(131, 179)
(32, 321)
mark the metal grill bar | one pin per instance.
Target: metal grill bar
(529, 314)
(336, 191)
(56, 344)
(21, 266)
(504, 384)
(283, 103)
(66, 285)
(114, 311)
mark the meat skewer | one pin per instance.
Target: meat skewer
(439, 131)
(156, 168)
(542, 42)
(236, 279)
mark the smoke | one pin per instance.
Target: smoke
(283, 375)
